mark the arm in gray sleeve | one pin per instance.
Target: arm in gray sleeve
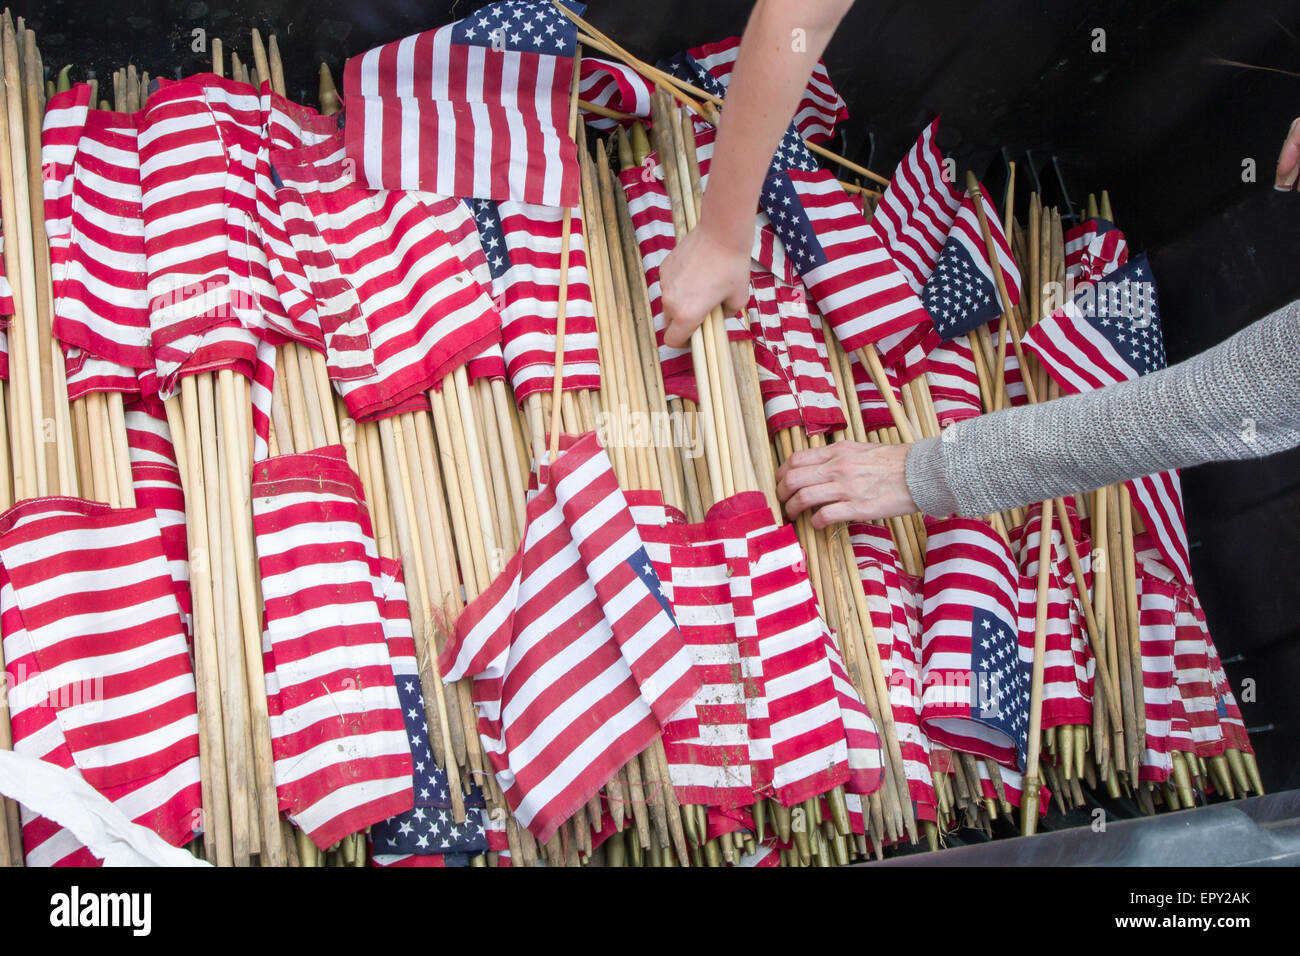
(1240, 399)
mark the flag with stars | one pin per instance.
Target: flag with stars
(428, 827)
(1108, 333)
(845, 267)
(576, 659)
(961, 294)
(476, 108)
(975, 677)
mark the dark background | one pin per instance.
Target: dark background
(1150, 119)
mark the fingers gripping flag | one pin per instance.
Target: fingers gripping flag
(576, 658)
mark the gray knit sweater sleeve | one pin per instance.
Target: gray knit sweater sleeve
(1240, 399)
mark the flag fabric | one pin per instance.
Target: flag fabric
(894, 599)
(1093, 250)
(961, 293)
(531, 237)
(976, 680)
(847, 270)
(1195, 682)
(95, 226)
(157, 481)
(342, 758)
(1157, 601)
(874, 408)
(790, 335)
(1068, 664)
(100, 675)
(614, 86)
(916, 212)
(954, 384)
(478, 108)
(428, 828)
(1110, 332)
(579, 601)
(398, 308)
(819, 111)
(1231, 721)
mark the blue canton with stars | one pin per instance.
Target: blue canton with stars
(1123, 307)
(958, 295)
(428, 827)
(1000, 689)
(781, 202)
(520, 26)
(640, 563)
(490, 234)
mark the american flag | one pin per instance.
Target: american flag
(1110, 332)
(614, 86)
(917, 210)
(789, 337)
(342, 758)
(1068, 664)
(1093, 250)
(894, 599)
(1195, 683)
(874, 408)
(1157, 600)
(819, 111)
(954, 385)
(1230, 718)
(428, 827)
(530, 297)
(478, 108)
(961, 293)
(399, 310)
(100, 679)
(576, 658)
(976, 681)
(93, 219)
(846, 268)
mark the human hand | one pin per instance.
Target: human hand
(846, 481)
(698, 275)
(1288, 161)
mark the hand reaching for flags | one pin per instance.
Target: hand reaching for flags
(846, 481)
(698, 275)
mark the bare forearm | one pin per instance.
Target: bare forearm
(781, 45)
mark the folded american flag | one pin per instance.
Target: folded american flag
(100, 675)
(1194, 681)
(954, 385)
(849, 273)
(1110, 332)
(789, 337)
(1157, 601)
(576, 658)
(478, 108)
(614, 86)
(894, 599)
(976, 680)
(1093, 250)
(93, 218)
(1231, 721)
(398, 308)
(961, 293)
(874, 408)
(428, 827)
(342, 758)
(819, 111)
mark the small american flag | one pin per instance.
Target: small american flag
(614, 86)
(1110, 332)
(1093, 250)
(846, 268)
(819, 111)
(1157, 600)
(1230, 718)
(954, 385)
(976, 696)
(1194, 681)
(916, 212)
(342, 758)
(576, 658)
(478, 108)
(428, 827)
(961, 293)
(100, 679)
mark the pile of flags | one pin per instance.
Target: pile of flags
(335, 556)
